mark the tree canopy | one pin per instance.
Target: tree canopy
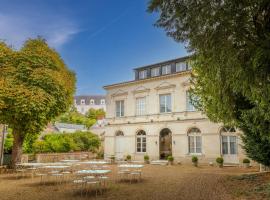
(35, 87)
(230, 46)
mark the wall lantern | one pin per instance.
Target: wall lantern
(156, 142)
(174, 142)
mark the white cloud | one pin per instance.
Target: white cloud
(15, 29)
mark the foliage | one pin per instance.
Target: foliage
(246, 160)
(74, 117)
(219, 160)
(146, 158)
(68, 142)
(170, 158)
(95, 114)
(27, 143)
(230, 43)
(35, 87)
(194, 159)
(128, 157)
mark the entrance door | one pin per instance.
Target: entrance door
(119, 145)
(165, 143)
(229, 149)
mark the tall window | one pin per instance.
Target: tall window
(142, 74)
(165, 104)
(141, 142)
(82, 101)
(189, 105)
(119, 108)
(102, 101)
(181, 66)
(92, 101)
(194, 141)
(155, 71)
(229, 141)
(166, 69)
(141, 106)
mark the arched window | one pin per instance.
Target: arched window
(194, 141)
(102, 101)
(119, 133)
(141, 142)
(92, 101)
(228, 141)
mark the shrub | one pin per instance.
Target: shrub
(246, 161)
(219, 160)
(146, 158)
(194, 159)
(170, 158)
(68, 142)
(128, 158)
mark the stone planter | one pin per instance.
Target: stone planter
(195, 164)
(146, 162)
(246, 165)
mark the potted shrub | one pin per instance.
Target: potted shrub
(220, 161)
(194, 160)
(112, 157)
(246, 163)
(170, 159)
(146, 159)
(128, 158)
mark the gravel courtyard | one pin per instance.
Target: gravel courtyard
(179, 182)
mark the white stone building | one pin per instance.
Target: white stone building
(83, 103)
(153, 115)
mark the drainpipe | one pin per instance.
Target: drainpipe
(2, 145)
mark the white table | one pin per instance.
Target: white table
(130, 166)
(56, 167)
(30, 164)
(94, 172)
(70, 161)
(94, 162)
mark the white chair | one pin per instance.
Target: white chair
(79, 184)
(92, 184)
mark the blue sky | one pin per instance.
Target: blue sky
(101, 40)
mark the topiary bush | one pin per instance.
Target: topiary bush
(194, 160)
(146, 159)
(246, 160)
(128, 158)
(220, 161)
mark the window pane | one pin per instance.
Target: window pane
(233, 145)
(191, 144)
(169, 105)
(165, 103)
(155, 72)
(166, 69)
(189, 105)
(224, 145)
(142, 74)
(181, 66)
(119, 108)
(198, 144)
(140, 106)
(144, 150)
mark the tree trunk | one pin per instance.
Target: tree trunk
(17, 148)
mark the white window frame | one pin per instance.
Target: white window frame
(143, 74)
(92, 101)
(121, 112)
(181, 66)
(166, 69)
(140, 106)
(195, 136)
(229, 133)
(155, 72)
(189, 106)
(82, 101)
(102, 101)
(166, 103)
(140, 142)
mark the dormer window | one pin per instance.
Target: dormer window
(83, 101)
(102, 101)
(181, 66)
(166, 69)
(155, 72)
(92, 101)
(142, 74)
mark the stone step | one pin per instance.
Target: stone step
(159, 162)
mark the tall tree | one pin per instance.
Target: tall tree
(35, 87)
(230, 44)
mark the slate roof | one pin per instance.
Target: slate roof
(69, 126)
(87, 98)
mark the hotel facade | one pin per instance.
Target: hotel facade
(153, 115)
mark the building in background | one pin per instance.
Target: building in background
(84, 103)
(153, 115)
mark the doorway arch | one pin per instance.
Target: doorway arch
(165, 143)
